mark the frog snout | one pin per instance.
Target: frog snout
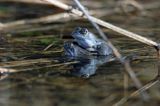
(84, 31)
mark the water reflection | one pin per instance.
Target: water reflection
(87, 67)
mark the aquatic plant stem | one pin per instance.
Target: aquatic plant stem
(104, 24)
(115, 51)
(6, 70)
(118, 55)
(144, 88)
(110, 26)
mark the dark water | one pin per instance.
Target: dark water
(47, 78)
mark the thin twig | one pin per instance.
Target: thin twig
(48, 66)
(47, 19)
(104, 24)
(117, 54)
(115, 51)
(17, 25)
(50, 45)
(60, 17)
(6, 70)
(144, 88)
(27, 1)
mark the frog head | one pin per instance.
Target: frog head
(86, 43)
(83, 37)
(80, 33)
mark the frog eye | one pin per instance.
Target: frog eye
(84, 31)
(98, 47)
(78, 29)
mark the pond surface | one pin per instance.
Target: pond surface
(48, 78)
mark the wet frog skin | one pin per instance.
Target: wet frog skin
(85, 43)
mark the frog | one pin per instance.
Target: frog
(86, 43)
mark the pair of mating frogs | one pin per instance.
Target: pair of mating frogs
(86, 43)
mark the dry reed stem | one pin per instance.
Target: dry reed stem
(46, 19)
(6, 70)
(27, 1)
(62, 17)
(52, 65)
(24, 62)
(144, 88)
(105, 24)
(115, 51)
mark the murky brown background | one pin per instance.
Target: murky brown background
(42, 78)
